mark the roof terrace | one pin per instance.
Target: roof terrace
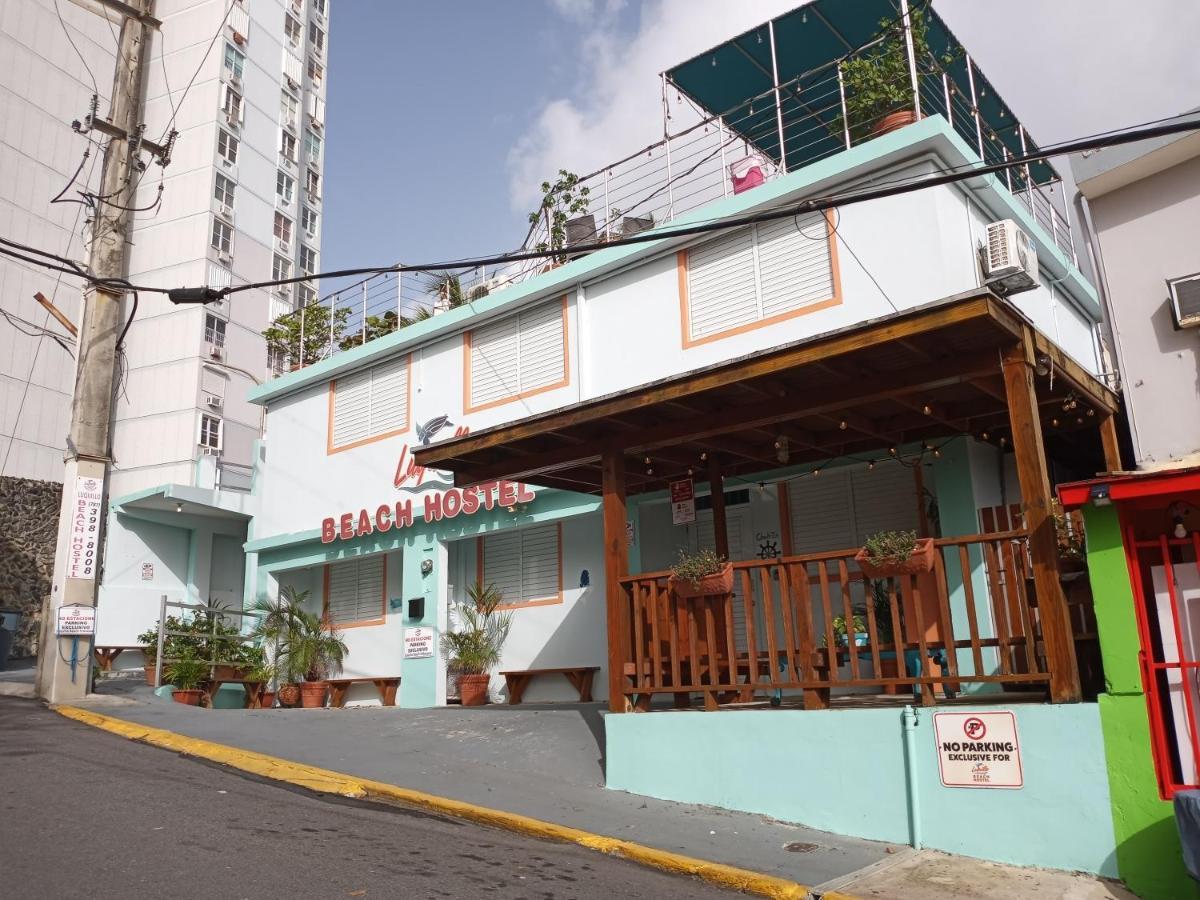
(800, 88)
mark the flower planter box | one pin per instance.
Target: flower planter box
(718, 583)
(919, 562)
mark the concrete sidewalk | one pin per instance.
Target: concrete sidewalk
(547, 762)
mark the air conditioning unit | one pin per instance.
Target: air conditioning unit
(209, 451)
(1010, 262)
(239, 38)
(283, 245)
(225, 259)
(232, 120)
(235, 82)
(216, 352)
(292, 83)
(1185, 301)
(212, 401)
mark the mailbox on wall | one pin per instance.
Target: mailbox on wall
(416, 608)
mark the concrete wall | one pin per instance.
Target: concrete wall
(28, 533)
(1147, 235)
(844, 771)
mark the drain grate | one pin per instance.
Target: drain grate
(800, 847)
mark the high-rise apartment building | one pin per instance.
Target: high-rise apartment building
(242, 85)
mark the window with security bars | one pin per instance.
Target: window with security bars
(354, 591)
(524, 564)
(368, 404)
(519, 355)
(760, 274)
(214, 330)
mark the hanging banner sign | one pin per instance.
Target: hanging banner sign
(76, 620)
(418, 643)
(683, 502)
(978, 749)
(85, 528)
(436, 506)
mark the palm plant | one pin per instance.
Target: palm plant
(475, 648)
(278, 622)
(315, 648)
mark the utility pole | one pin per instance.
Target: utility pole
(64, 662)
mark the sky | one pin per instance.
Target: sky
(444, 117)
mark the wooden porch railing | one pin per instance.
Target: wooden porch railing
(776, 631)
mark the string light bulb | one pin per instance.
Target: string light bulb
(927, 409)
(892, 451)
(689, 471)
(1054, 422)
(870, 464)
(650, 471)
(703, 456)
(1003, 441)
(816, 471)
(937, 452)
(647, 460)
(843, 425)
(984, 436)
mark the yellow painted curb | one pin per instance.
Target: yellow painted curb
(328, 782)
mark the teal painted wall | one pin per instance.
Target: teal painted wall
(843, 771)
(1149, 857)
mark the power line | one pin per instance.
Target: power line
(71, 41)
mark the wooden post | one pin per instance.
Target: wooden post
(1034, 477)
(1108, 438)
(716, 484)
(922, 512)
(616, 566)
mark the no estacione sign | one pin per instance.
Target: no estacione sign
(978, 749)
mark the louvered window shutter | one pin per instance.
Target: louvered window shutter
(822, 518)
(885, 499)
(389, 396)
(523, 564)
(721, 284)
(494, 369)
(352, 408)
(794, 264)
(518, 354)
(541, 347)
(372, 402)
(356, 590)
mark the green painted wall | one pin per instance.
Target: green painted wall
(1149, 858)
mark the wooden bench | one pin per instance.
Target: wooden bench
(386, 687)
(254, 690)
(579, 676)
(106, 656)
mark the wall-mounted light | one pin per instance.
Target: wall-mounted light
(1099, 495)
(179, 507)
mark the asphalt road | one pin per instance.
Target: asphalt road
(86, 814)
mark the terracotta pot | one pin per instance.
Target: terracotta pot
(190, 698)
(894, 121)
(288, 694)
(266, 700)
(918, 562)
(149, 670)
(473, 689)
(889, 668)
(312, 694)
(720, 583)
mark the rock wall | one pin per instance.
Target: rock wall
(28, 532)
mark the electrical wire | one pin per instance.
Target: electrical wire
(71, 41)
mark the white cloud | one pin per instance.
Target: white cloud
(619, 108)
(586, 10)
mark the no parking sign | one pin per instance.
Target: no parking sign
(978, 749)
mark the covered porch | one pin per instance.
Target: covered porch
(991, 614)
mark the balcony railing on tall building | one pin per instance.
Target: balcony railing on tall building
(782, 96)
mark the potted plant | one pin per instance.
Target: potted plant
(841, 632)
(149, 641)
(278, 622)
(878, 83)
(313, 650)
(266, 673)
(701, 574)
(890, 553)
(564, 208)
(474, 648)
(186, 676)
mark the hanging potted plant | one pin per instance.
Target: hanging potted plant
(701, 574)
(889, 553)
(186, 676)
(474, 648)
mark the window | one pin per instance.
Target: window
(517, 356)
(308, 260)
(293, 29)
(285, 187)
(283, 228)
(355, 591)
(312, 146)
(319, 7)
(281, 268)
(210, 432)
(214, 330)
(287, 145)
(289, 108)
(308, 294)
(235, 61)
(276, 361)
(232, 104)
(315, 71)
(525, 564)
(757, 275)
(312, 183)
(308, 221)
(222, 236)
(224, 191)
(227, 146)
(316, 37)
(368, 404)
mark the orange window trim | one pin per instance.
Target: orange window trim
(469, 406)
(361, 623)
(541, 601)
(330, 449)
(685, 318)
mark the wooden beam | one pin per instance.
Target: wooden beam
(1112, 449)
(1078, 377)
(1034, 477)
(716, 485)
(616, 566)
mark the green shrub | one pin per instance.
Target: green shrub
(890, 546)
(695, 567)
